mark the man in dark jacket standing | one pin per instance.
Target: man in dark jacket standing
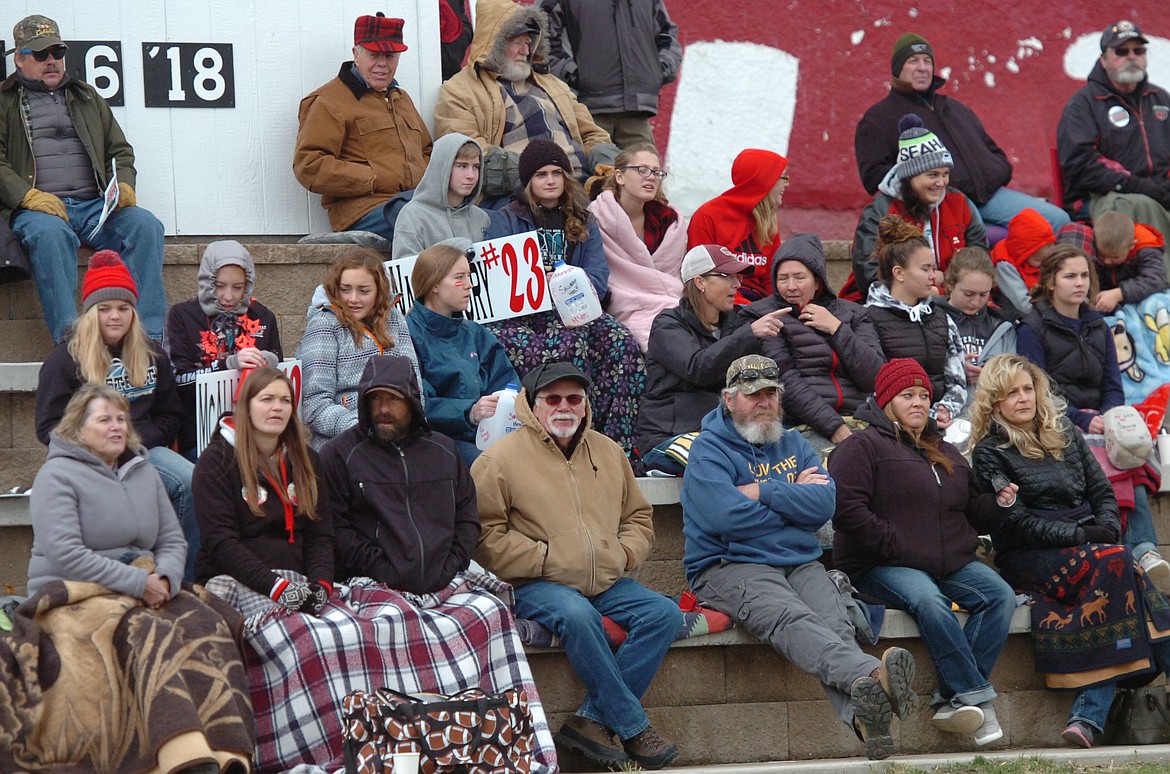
(60, 148)
(618, 56)
(406, 513)
(1114, 135)
(982, 170)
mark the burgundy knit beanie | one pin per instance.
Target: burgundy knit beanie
(897, 375)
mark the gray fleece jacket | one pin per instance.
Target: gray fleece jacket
(428, 218)
(88, 519)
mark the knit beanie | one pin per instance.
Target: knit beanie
(107, 279)
(897, 375)
(919, 149)
(540, 153)
(907, 46)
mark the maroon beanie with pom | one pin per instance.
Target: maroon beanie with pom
(897, 375)
(107, 279)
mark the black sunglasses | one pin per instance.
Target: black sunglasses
(576, 399)
(751, 374)
(57, 52)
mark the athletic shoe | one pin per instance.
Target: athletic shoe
(895, 676)
(871, 716)
(1156, 567)
(650, 750)
(990, 731)
(965, 719)
(1078, 734)
(591, 739)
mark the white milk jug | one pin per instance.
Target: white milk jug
(574, 295)
(502, 422)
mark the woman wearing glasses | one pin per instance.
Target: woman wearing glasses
(352, 317)
(745, 217)
(691, 347)
(551, 202)
(462, 362)
(644, 238)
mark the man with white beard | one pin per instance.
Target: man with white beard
(502, 101)
(1114, 136)
(754, 496)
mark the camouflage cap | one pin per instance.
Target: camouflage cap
(36, 33)
(752, 373)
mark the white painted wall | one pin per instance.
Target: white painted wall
(215, 171)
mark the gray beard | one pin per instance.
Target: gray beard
(1131, 75)
(759, 433)
(516, 72)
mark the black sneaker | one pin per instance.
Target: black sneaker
(896, 676)
(591, 739)
(871, 717)
(650, 750)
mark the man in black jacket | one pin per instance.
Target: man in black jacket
(406, 510)
(982, 170)
(1114, 135)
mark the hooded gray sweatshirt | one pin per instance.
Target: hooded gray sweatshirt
(428, 219)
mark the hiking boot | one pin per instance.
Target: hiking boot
(990, 731)
(650, 750)
(871, 717)
(964, 719)
(591, 739)
(895, 676)
(1078, 734)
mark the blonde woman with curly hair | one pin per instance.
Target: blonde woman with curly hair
(1059, 544)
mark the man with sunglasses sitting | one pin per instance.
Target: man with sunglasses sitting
(564, 522)
(1114, 135)
(754, 496)
(59, 148)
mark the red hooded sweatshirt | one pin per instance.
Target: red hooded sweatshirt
(727, 219)
(1028, 231)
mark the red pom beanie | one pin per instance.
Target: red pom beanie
(897, 375)
(107, 279)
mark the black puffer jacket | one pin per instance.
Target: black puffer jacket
(924, 341)
(1047, 484)
(824, 376)
(686, 367)
(1075, 361)
(896, 509)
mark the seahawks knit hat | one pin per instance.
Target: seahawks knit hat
(540, 153)
(907, 46)
(107, 279)
(897, 375)
(919, 149)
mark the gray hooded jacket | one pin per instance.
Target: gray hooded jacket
(428, 218)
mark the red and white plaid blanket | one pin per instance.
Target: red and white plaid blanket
(368, 637)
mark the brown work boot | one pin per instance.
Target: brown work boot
(591, 739)
(650, 750)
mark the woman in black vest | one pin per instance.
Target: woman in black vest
(908, 323)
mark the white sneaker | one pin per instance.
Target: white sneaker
(957, 720)
(1156, 567)
(990, 731)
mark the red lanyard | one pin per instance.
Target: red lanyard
(281, 489)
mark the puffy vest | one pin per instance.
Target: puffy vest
(1076, 363)
(924, 341)
(63, 166)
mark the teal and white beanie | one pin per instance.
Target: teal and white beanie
(919, 149)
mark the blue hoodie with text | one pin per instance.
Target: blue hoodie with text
(720, 523)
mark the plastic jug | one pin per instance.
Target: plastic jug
(502, 422)
(574, 295)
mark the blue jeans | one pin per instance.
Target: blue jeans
(375, 221)
(614, 682)
(963, 655)
(175, 471)
(52, 245)
(1006, 204)
(1139, 533)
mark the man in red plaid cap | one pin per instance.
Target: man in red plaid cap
(356, 170)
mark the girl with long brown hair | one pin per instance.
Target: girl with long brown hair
(352, 316)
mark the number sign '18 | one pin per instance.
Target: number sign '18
(194, 75)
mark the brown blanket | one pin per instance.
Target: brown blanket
(94, 681)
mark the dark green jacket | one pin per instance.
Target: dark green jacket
(99, 132)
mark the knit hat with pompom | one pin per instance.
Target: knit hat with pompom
(107, 279)
(919, 149)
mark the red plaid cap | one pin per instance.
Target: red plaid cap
(379, 33)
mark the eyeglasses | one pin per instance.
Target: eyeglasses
(576, 399)
(720, 275)
(645, 171)
(751, 374)
(1136, 50)
(57, 52)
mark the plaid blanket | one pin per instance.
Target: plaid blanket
(369, 637)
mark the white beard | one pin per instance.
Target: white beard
(516, 72)
(759, 433)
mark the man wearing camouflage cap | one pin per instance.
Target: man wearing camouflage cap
(361, 140)
(59, 141)
(754, 496)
